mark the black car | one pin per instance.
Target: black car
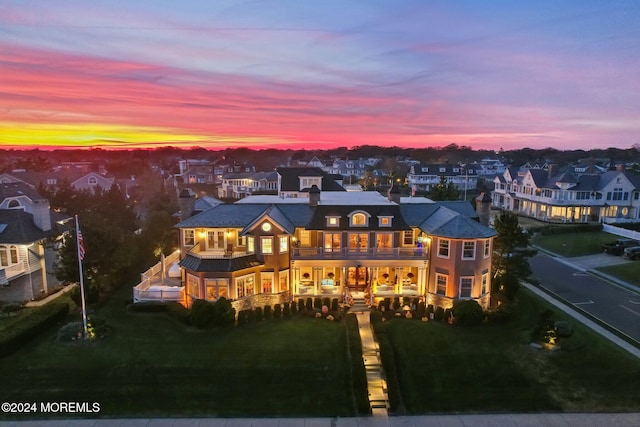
(617, 247)
(632, 252)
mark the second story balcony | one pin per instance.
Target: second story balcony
(359, 253)
(230, 252)
(9, 272)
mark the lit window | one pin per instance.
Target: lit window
(468, 250)
(189, 237)
(384, 221)
(251, 246)
(443, 248)
(487, 248)
(305, 238)
(359, 219)
(407, 238)
(242, 240)
(267, 283)
(333, 221)
(245, 285)
(284, 244)
(267, 245)
(441, 284)
(217, 288)
(466, 283)
(284, 281)
(332, 242)
(193, 286)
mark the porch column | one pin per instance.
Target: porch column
(422, 281)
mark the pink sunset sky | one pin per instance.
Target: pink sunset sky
(495, 74)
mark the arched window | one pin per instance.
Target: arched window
(8, 255)
(93, 180)
(359, 219)
(13, 204)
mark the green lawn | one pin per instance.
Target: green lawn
(491, 368)
(153, 366)
(574, 244)
(629, 272)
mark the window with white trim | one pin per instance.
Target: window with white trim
(384, 241)
(384, 221)
(441, 284)
(189, 237)
(266, 244)
(407, 237)
(466, 284)
(242, 240)
(284, 244)
(305, 238)
(251, 244)
(284, 281)
(487, 248)
(267, 283)
(484, 284)
(468, 249)
(443, 248)
(333, 221)
(358, 220)
(332, 242)
(193, 286)
(245, 285)
(8, 255)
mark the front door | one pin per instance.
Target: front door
(357, 278)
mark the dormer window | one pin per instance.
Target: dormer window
(333, 221)
(456, 170)
(425, 169)
(443, 169)
(359, 219)
(384, 221)
(14, 204)
(93, 180)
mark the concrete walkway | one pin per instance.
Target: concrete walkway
(484, 420)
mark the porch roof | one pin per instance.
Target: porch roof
(194, 263)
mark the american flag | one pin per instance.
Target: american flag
(80, 245)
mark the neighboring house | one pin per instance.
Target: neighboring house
(196, 171)
(348, 168)
(79, 180)
(296, 182)
(269, 249)
(238, 185)
(488, 167)
(424, 176)
(28, 230)
(553, 196)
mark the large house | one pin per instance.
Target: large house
(424, 176)
(78, 179)
(28, 232)
(569, 196)
(238, 185)
(269, 249)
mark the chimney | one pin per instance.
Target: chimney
(483, 208)
(553, 169)
(187, 202)
(314, 195)
(394, 194)
(41, 214)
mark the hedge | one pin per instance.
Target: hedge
(570, 228)
(38, 321)
(358, 372)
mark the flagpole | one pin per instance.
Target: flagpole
(80, 256)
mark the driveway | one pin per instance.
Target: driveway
(590, 262)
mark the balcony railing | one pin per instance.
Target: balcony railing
(358, 253)
(197, 251)
(8, 273)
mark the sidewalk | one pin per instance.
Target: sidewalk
(484, 420)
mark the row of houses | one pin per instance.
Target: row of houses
(576, 194)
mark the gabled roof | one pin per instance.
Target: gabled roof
(319, 221)
(539, 176)
(18, 189)
(276, 216)
(18, 227)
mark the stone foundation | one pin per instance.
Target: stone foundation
(260, 300)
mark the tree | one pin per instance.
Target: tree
(444, 190)
(510, 255)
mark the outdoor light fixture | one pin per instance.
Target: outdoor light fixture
(266, 227)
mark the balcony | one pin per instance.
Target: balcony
(359, 253)
(198, 252)
(8, 273)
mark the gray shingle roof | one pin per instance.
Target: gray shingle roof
(445, 222)
(194, 263)
(290, 179)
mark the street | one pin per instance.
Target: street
(612, 304)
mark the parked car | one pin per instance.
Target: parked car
(632, 253)
(618, 247)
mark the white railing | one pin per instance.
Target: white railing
(145, 293)
(392, 253)
(13, 270)
(619, 231)
(157, 268)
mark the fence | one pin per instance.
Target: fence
(619, 231)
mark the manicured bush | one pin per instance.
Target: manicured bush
(438, 314)
(501, 314)
(309, 304)
(202, 314)
(447, 314)
(178, 312)
(326, 301)
(251, 317)
(258, 314)
(224, 313)
(294, 308)
(334, 305)
(573, 228)
(317, 303)
(387, 304)
(267, 314)
(396, 303)
(242, 317)
(286, 310)
(420, 310)
(467, 313)
(301, 305)
(277, 311)
(39, 320)
(430, 310)
(358, 371)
